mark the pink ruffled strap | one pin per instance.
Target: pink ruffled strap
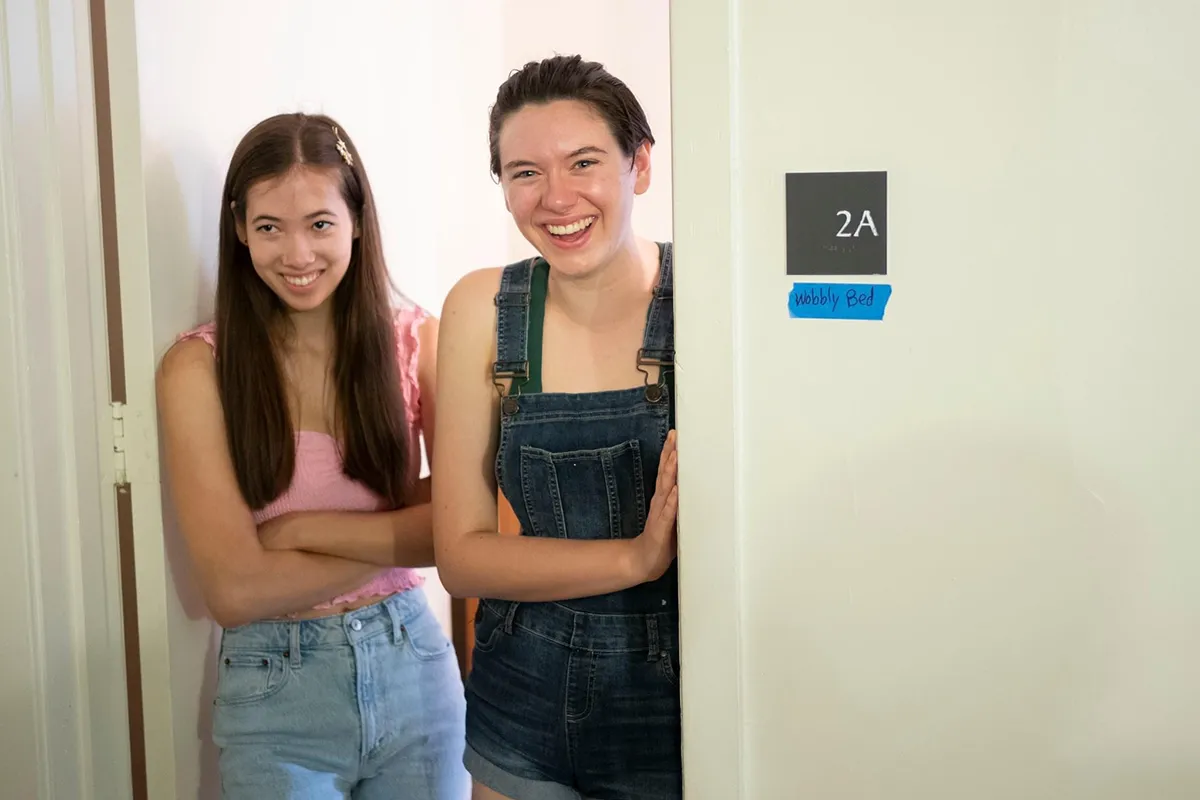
(207, 332)
(408, 356)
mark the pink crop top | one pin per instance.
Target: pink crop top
(318, 483)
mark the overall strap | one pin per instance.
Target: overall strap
(658, 344)
(521, 311)
(512, 324)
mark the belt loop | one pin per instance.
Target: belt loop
(508, 618)
(293, 651)
(397, 623)
(652, 638)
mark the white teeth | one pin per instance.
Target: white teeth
(574, 227)
(303, 280)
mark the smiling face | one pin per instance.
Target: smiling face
(568, 185)
(300, 234)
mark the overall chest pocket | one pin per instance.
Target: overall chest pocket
(585, 494)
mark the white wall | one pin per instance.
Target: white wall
(964, 537)
(62, 681)
(412, 83)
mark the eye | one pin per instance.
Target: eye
(587, 162)
(525, 173)
(266, 228)
(322, 224)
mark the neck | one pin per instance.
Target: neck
(609, 292)
(310, 331)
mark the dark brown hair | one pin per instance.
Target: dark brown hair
(370, 420)
(570, 78)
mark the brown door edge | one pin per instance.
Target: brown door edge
(116, 371)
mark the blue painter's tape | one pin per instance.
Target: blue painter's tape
(865, 301)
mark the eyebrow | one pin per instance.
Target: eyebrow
(582, 151)
(324, 212)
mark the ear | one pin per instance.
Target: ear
(641, 168)
(238, 222)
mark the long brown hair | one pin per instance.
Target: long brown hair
(369, 413)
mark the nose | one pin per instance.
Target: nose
(298, 252)
(560, 194)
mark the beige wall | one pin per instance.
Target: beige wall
(962, 539)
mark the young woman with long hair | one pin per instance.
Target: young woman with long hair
(292, 427)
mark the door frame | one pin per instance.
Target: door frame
(142, 489)
(706, 143)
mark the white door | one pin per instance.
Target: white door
(951, 553)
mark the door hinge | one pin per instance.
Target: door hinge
(118, 421)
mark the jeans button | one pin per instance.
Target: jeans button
(356, 625)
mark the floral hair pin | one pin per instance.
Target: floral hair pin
(343, 150)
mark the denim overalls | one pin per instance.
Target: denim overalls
(578, 698)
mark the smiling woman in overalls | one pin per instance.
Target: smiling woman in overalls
(555, 388)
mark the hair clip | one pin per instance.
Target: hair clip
(341, 148)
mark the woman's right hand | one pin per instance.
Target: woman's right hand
(654, 549)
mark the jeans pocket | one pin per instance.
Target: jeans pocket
(668, 667)
(489, 627)
(246, 677)
(425, 637)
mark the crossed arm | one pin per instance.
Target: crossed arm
(385, 538)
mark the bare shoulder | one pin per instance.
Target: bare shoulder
(472, 290)
(469, 314)
(189, 399)
(186, 364)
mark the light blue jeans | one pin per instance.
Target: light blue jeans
(366, 705)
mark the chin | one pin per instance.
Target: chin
(306, 306)
(302, 303)
(316, 295)
(576, 263)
